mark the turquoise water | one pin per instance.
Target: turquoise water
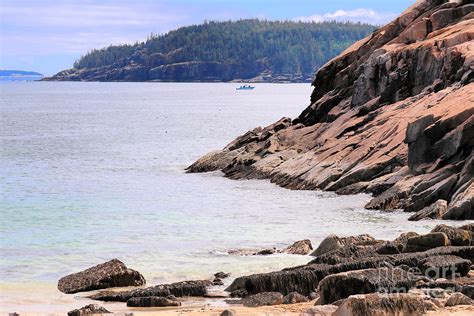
(94, 171)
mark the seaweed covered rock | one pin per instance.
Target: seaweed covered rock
(113, 273)
(179, 289)
(437, 267)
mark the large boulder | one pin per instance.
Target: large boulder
(301, 247)
(90, 309)
(342, 285)
(263, 299)
(153, 301)
(113, 273)
(179, 289)
(386, 304)
(426, 242)
(456, 236)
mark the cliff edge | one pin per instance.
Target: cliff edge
(393, 116)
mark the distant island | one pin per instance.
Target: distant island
(19, 75)
(245, 50)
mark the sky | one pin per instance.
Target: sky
(49, 35)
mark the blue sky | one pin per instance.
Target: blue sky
(48, 35)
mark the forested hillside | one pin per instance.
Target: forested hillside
(223, 51)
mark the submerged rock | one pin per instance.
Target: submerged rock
(221, 275)
(263, 299)
(113, 273)
(88, 310)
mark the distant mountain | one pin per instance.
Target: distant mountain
(19, 75)
(249, 50)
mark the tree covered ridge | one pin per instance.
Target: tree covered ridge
(281, 46)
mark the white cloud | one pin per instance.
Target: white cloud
(357, 15)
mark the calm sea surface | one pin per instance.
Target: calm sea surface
(94, 171)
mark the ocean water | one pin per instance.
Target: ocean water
(95, 171)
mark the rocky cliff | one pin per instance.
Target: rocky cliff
(393, 116)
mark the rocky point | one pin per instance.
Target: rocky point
(392, 116)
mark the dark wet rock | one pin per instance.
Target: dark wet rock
(266, 252)
(221, 275)
(346, 253)
(330, 243)
(444, 266)
(426, 242)
(294, 298)
(433, 211)
(238, 292)
(217, 282)
(342, 285)
(401, 241)
(301, 247)
(152, 301)
(305, 279)
(113, 273)
(179, 289)
(313, 296)
(458, 299)
(456, 236)
(334, 242)
(386, 304)
(88, 310)
(263, 299)
(469, 227)
(388, 248)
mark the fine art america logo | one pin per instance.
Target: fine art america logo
(391, 277)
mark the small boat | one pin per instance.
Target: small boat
(246, 87)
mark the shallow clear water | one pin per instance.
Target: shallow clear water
(94, 171)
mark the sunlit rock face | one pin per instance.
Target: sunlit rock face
(393, 115)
